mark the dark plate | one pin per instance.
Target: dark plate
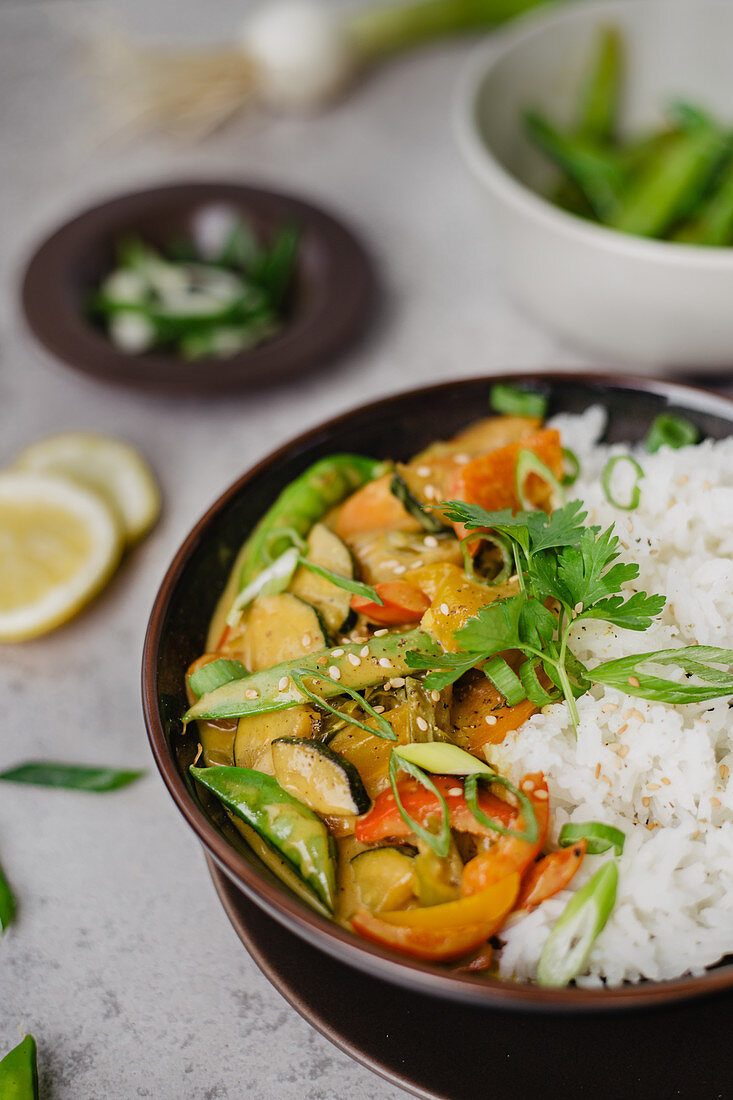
(331, 302)
(484, 1054)
(397, 427)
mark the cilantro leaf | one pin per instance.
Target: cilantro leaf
(537, 624)
(586, 572)
(534, 531)
(495, 628)
(453, 666)
(636, 613)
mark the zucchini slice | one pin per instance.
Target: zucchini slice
(385, 877)
(323, 779)
(284, 822)
(280, 628)
(411, 504)
(256, 732)
(332, 603)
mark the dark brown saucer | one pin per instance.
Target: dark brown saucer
(394, 427)
(331, 302)
(457, 1052)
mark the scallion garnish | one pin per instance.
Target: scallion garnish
(606, 477)
(506, 558)
(214, 675)
(383, 729)
(442, 758)
(76, 777)
(506, 682)
(440, 841)
(599, 837)
(528, 463)
(470, 793)
(7, 902)
(349, 585)
(668, 430)
(572, 463)
(569, 944)
(514, 401)
(269, 582)
(627, 674)
(532, 687)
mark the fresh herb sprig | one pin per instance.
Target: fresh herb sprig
(566, 572)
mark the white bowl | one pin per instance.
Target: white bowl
(653, 303)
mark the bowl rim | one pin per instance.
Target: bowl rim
(294, 914)
(486, 166)
(343, 306)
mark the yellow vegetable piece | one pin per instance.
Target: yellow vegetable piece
(494, 902)
(458, 599)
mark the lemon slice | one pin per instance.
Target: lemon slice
(59, 543)
(112, 468)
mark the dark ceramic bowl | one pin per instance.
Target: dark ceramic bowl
(395, 427)
(330, 303)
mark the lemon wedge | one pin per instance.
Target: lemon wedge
(111, 467)
(59, 543)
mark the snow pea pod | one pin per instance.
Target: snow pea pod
(713, 221)
(302, 503)
(19, 1072)
(600, 97)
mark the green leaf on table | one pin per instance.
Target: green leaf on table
(46, 773)
(7, 902)
(19, 1072)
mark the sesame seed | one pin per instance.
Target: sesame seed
(623, 729)
(364, 652)
(251, 693)
(724, 771)
(387, 686)
(385, 662)
(435, 696)
(430, 541)
(337, 652)
(421, 724)
(461, 460)
(431, 492)
(391, 564)
(646, 801)
(321, 661)
(605, 779)
(378, 710)
(423, 471)
(667, 782)
(633, 681)
(282, 683)
(578, 607)
(541, 796)
(629, 526)
(444, 609)
(398, 681)
(306, 640)
(334, 672)
(598, 770)
(381, 633)
(490, 719)
(715, 802)
(455, 791)
(400, 569)
(354, 660)
(528, 785)
(608, 707)
(623, 750)
(653, 787)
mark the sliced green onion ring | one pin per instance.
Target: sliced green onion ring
(440, 841)
(532, 686)
(569, 944)
(571, 459)
(607, 475)
(270, 581)
(470, 793)
(668, 430)
(346, 583)
(515, 401)
(599, 837)
(506, 682)
(528, 463)
(443, 758)
(504, 549)
(214, 675)
(283, 533)
(383, 730)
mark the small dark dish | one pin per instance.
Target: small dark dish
(394, 427)
(330, 302)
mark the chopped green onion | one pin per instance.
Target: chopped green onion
(599, 837)
(399, 488)
(275, 578)
(528, 463)
(442, 758)
(569, 944)
(214, 675)
(470, 793)
(7, 902)
(349, 585)
(383, 729)
(672, 431)
(506, 682)
(440, 841)
(571, 460)
(74, 777)
(606, 476)
(532, 686)
(515, 401)
(501, 544)
(278, 533)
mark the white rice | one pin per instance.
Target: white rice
(669, 788)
